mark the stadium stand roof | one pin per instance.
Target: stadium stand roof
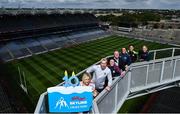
(33, 11)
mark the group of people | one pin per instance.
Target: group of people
(100, 76)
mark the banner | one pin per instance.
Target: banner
(70, 99)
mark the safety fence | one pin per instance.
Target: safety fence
(149, 76)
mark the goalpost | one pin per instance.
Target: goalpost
(22, 80)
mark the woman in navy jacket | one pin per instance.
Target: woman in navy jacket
(125, 60)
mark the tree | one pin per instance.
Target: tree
(156, 26)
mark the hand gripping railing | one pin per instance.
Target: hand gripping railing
(140, 76)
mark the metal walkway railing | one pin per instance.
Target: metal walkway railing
(141, 78)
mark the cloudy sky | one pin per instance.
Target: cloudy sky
(132, 4)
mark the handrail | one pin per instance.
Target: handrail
(39, 104)
(154, 61)
(105, 92)
(163, 49)
(129, 69)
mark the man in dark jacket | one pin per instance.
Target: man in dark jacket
(133, 54)
(125, 60)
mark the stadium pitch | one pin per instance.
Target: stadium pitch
(46, 70)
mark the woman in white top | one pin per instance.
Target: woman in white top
(86, 81)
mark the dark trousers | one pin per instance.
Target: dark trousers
(100, 90)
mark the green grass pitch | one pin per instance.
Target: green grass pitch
(46, 70)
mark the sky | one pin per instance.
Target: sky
(126, 4)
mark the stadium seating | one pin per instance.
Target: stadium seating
(34, 45)
(17, 49)
(26, 47)
(47, 43)
(24, 24)
(4, 54)
(23, 35)
(61, 42)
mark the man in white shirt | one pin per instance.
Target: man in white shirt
(100, 72)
